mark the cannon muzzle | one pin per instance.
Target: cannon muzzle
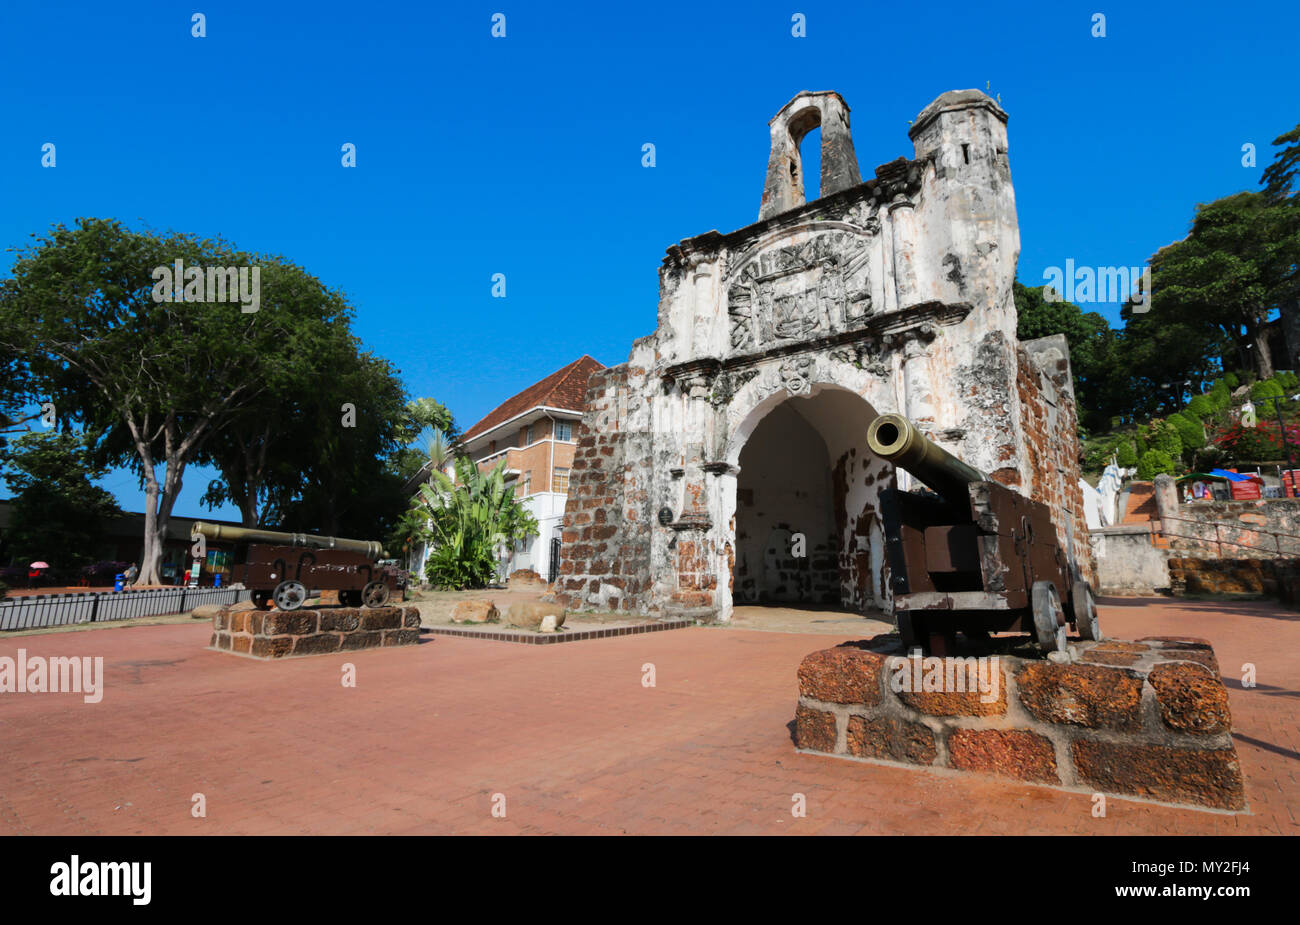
(894, 438)
(371, 549)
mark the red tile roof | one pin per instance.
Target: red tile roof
(565, 388)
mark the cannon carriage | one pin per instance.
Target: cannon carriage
(974, 556)
(282, 568)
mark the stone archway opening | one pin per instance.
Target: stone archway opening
(808, 534)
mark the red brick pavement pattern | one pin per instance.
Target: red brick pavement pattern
(567, 733)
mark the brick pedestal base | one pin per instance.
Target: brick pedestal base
(278, 633)
(1145, 719)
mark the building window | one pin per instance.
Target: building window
(529, 438)
(563, 430)
(528, 484)
(560, 481)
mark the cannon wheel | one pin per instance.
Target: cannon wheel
(375, 594)
(1049, 618)
(1085, 611)
(289, 595)
(262, 600)
(350, 598)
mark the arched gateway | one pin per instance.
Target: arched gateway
(738, 428)
(804, 519)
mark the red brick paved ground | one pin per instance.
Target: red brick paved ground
(566, 733)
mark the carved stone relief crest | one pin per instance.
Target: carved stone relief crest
(797, 375)
(793, 292)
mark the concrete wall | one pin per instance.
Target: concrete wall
(1127, 563)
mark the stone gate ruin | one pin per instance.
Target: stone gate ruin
(736, 431)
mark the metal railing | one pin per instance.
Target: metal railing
(1275, 546)
(34, 612)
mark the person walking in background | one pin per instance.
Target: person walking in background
(130, 574)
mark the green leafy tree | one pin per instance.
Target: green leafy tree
(1126, 456)
(1160, 349)
(410, 532)
(153, 378)
(262, 450)
(1280, 175)
(1236, 267)
(426, 420)
(1100, 380)
(57, 513)
(349, 487)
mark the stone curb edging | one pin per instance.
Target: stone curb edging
(558, 637)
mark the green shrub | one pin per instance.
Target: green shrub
(1230, 379)
(1265, 389)
(1288, 380)
(1126, 455)
(469, 565)
(1201, 406)
(1190, 431)
(1164, 436)
(469, 517)
(1153, 463)
(1220, 395)
(1096, 455)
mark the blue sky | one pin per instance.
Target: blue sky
(522, 155)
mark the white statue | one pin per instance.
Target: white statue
(1108, 487)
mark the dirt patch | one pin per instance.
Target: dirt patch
(815, 621)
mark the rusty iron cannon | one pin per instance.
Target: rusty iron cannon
(281, 568)
(975, 556)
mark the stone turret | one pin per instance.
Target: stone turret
(970, 237)
(784, 188)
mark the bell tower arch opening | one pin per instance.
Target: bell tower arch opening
(807, 530)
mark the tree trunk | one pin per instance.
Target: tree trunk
(157, 515)
(152, 554)
(1263, 357)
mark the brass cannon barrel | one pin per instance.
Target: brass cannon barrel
(896, 439)
(371, 549)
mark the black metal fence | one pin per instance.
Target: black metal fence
(34, 611)
(554, 569)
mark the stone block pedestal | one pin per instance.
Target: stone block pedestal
(1146, 719)
(279, 634)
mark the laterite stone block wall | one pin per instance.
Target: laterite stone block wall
(1146, 719)
(1045, 385)
(1274, 578)
(279, 633)
(605, 564)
